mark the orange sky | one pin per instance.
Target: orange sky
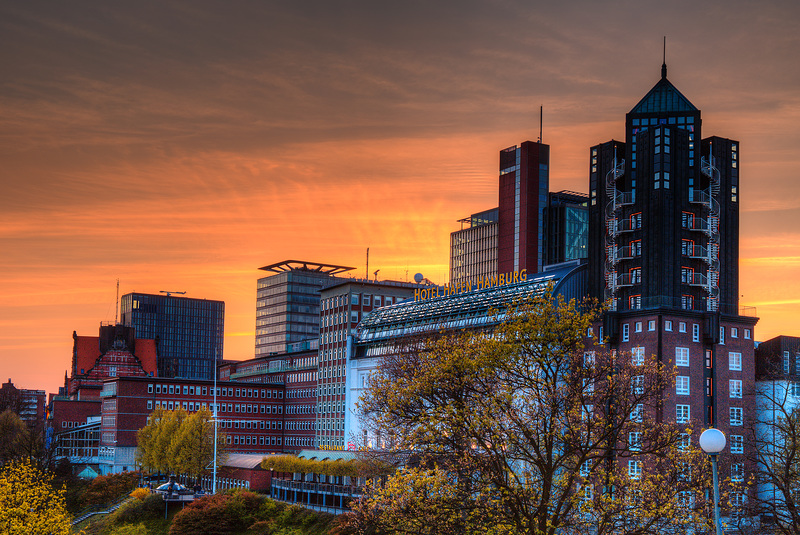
(181, 146)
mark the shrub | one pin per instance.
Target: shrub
(106, 489)
(140, 493)
(150, 507)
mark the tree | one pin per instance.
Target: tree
(15, 436)
(179, 442)
(536, 428)
(776, 455)
(192, 447)
(29, 504)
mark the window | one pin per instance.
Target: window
(586, 468)
(735, 361)
(786, 362)
(149, 403)
(682, 326)
(682, 414)
(651, 325)
(637, 356)
(149, 389)
(668, 325)
(737, 472)
(638, 326)
(737, 444)
(695, 332)
(635, 303)
(637, 384)
(625, 332)
(684, 472)
(747, 334)
(354, 298)
(681, 356)
(722, 335)
(682, 385)
(634, 469)
(185, 390)
(171, 389)
(736, 416)
(734, 332)
(686, 499)
(191, 391)
(638, 413)
(684, 442)
(635, 441)
(735, 388)
(588, 360)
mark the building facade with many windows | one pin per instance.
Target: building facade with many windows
(189, 331)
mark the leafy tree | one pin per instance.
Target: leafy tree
(192, 447)
(179, 442)
(29, 504)
(15, 436)
(532, 428)
(104, 490)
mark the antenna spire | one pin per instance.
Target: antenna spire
(664, 63)
(540, 123)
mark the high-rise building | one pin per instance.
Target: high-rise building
(524, 185)
(287, 303)
(566, 227)
(473, 249)
(28, 404)
(663, 253)
(344, 305)
(189, 331)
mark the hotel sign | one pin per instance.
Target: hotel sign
(483, 283)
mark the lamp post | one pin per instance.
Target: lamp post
(712, 441)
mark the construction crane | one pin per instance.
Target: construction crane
(170, 293)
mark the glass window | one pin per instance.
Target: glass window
(682, 326)
(625, 332)
(735, 361)
(635, 441)
(651, 325)
(638, 413)
(682, 385)
(695, 332)
(682, 414)
(747, 334)
(635, 469)
(637, 356)
(735, 386)
(668, 325)
(737, 444)
(737, 415)
(638, 326)
(681, 356)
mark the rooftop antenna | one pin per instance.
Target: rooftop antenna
(116, 307)
(664, 61)
(367, 274)
(376, 275)
(540, 123)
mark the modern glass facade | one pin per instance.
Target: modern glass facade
(473, 250)
(189, 331)
(287, 303)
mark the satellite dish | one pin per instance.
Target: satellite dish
(419, 278)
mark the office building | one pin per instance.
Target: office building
(566, 227)
(28, 404)
(663, 253)
(524, 185)
(287, 303)
(343, 307)
(189, 331)
(473, 249)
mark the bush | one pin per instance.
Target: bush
(150, 507)
(140, 493)
(106, 489)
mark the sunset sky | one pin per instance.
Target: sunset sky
(181, 145)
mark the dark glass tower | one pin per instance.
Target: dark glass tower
(189, 331)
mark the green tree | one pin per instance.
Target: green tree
(534, 426)
(179, 442)
(192, 447)
(29, 504)
(16, 436)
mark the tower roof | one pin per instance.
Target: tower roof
(663, 98)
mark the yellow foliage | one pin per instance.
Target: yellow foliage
(29, 505)
(140, 493)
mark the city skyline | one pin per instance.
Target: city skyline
(181, 147)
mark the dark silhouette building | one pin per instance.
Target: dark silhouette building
(663, 255)
(189, 332)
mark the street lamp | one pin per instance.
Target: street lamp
(712, 441)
